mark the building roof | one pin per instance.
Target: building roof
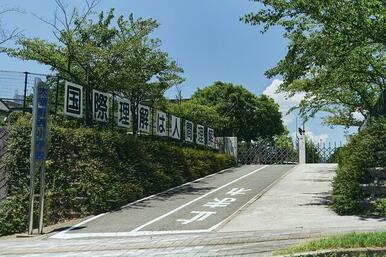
(7, 105)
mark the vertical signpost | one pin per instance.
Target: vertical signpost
(38, 149)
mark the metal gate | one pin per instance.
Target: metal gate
(264, 152)
(322, 152)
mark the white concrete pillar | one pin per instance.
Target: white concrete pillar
(302, 148)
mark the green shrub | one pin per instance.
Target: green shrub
(89, 171)
(381, 207)
(13, 214)
(339, 242)
(353, 161)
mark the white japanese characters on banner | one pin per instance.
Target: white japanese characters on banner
(123, 112)
(175, 131)
(100, 106)
(73, 100)
(200, 135)
(161, 124)
(210, 138)
(144, 118)
(189, 130)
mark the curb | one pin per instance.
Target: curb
(373, 251)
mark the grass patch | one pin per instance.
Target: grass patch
(344, 241)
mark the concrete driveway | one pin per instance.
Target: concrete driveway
(299, 203)
(199, 206)
(284, 205)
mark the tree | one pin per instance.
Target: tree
(246, 116)
(336, 54)
(284, 140)
(197, 113)
(112, 55)
(312, 152)
(5, 34)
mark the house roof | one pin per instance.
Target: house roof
(7, 105)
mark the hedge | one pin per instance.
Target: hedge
(354, 159)
(89, 171)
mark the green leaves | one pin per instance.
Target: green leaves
(240, 112)
(89, 171)
(354, 159)
(337, 49)
(113, 55)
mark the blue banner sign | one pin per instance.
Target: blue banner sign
(39, 126)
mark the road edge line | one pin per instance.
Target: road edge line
(253, 199)
(196, 199)
(61, 233)
(140, 200)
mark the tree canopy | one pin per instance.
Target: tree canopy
(112, 54)
(197, 113)
(336, 53)
(242, 113)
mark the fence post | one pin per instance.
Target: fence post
(25, 90)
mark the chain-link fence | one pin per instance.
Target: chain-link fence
(16, 89)
(16, 93)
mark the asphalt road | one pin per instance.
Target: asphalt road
(199, 206)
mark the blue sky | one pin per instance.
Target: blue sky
(204, 36)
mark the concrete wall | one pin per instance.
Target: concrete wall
(227, 145)
(3, 171)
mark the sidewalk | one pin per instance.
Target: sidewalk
(185, 245)
(299, 203)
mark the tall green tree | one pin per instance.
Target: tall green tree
(284, 140)
(117, 55)
(336, 53)
(245, 115)
(312, 152)
(197, 113)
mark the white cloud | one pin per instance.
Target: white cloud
(283, 100)
(316, 138)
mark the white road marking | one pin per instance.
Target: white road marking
(135, 232)
(251, 200)
(220, 203)
(61, 233)
(201, 215)
(125, 234)
(197, 199)
(238, 191)
(140, 200)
